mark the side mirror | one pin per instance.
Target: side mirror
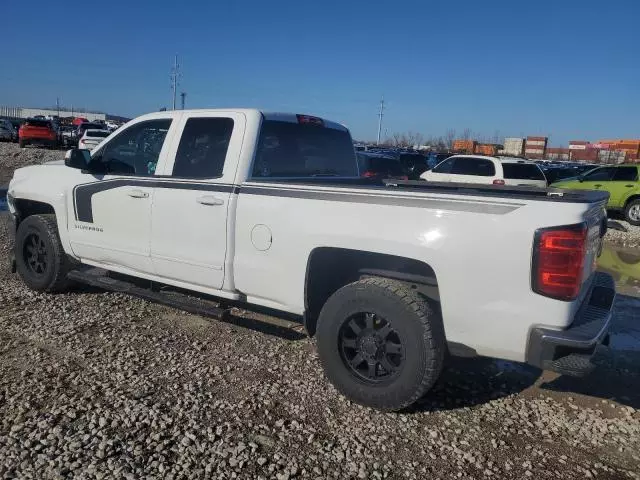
(77, 158)
(581, 178)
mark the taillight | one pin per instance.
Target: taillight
(558, 261)
(498, 181)
(369, 174)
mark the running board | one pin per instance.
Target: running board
(99, 278)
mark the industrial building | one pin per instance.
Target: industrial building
(24, 112)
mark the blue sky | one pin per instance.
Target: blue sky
(568, 69)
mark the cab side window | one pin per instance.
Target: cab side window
(135, 151)
(203, 148)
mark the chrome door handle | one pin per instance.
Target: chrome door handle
(209, 200)
(135, 193)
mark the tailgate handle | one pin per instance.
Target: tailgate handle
(135, 193)
(209, 200)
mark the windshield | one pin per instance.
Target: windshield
(288, 149)
(522, 171)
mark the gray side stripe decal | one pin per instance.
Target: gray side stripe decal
(393, 200)
(83, 194)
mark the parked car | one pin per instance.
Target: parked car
(621, 181)
(7, 132)
(91, 138)
(487, 170)
(35, 131)
(267, 211)
(86, 126)
(375, 165)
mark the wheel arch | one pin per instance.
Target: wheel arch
(330, 268)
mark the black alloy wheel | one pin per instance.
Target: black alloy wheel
(35, 254)
(370, 348)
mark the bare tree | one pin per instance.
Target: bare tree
(449, 136)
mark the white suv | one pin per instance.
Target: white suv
(487, 170)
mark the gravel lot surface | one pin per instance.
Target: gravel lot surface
(101, 385)
(12, 157)
(629, 239)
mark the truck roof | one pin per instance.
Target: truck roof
(276, 116)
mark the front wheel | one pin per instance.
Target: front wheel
(380, 343)
(632, 212)
(40, 258)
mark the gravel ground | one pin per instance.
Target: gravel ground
(101, 385)
(12, 157)
(629, 239)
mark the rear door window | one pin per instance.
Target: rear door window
(473, 166)
(626, 174)
(203, 148)
(287, 149)
(522, 171)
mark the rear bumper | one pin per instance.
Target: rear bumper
(569, 351)
(40, 141)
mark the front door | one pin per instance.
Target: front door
(110, 207)
(191, 203)
(597, 179)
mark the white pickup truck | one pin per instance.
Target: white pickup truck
(268, 211)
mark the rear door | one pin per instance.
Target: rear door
(623, 184)
(191, 202)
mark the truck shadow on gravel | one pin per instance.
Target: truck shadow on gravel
(476, 381)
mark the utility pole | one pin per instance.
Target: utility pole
(183, 95)
(58, 105)
(175, 74)
(380, 115)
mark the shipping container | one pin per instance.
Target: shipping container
(513, 146)
(588, 155)
(486, 149)
(464, 146)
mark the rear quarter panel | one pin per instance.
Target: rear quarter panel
(480, 250)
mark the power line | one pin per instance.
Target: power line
(380, 115)
(175, 76)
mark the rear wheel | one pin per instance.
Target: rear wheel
(40, 258)
(22, 143)
(380, 343)
(632, 212)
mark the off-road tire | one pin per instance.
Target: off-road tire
(53, 278)
(420, 329)
(627, 210)
(22, 143)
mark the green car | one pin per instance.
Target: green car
(620, 181)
